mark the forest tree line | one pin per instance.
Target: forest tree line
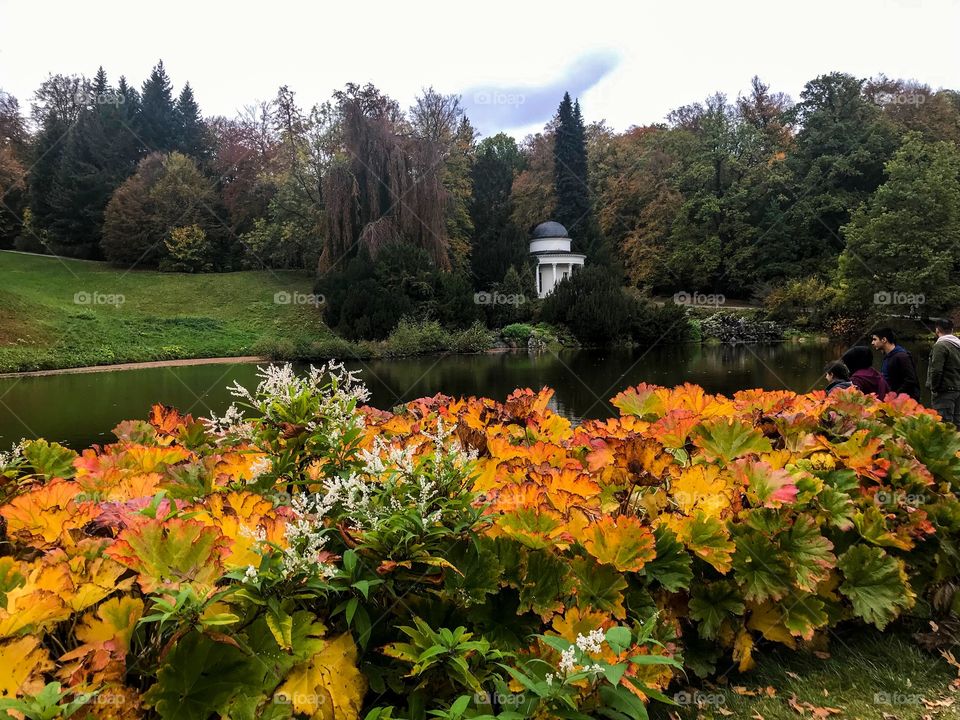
(814, 205)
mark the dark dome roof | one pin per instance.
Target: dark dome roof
(549, 229)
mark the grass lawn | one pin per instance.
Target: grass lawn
(57, 313)
(868, 676)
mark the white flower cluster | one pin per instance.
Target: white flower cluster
(306, 537)
(232, 423)
(9, 459)
(259, 467)
(279, 384)
(592, 643)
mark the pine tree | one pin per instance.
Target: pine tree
(159, 123)
(574, 209)
(193, 136)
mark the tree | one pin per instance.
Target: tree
(534, 195)
(193, 135)
(13, 184)
(836, 163)
(905, 240)
(168, 191)
(159, 123)
(498, 243)
(439, 122)
(574, 209)
(384, 186)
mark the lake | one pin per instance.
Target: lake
(81, 409)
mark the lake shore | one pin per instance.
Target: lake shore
(138, 366)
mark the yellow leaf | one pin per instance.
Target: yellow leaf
(22, 664)
(743, 650)
(328, 686)
(701, 487)
(767, 620)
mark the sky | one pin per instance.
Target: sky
(628, 62)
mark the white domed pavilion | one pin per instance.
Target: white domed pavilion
(550, 245)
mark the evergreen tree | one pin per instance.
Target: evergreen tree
(497, 242)
(159, 122)
(193, 135)
(574, 210)
(905, 240)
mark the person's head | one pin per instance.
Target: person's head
(883, 339)
(858, 357)
(836, 370)
(942, 326)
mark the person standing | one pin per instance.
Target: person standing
(943, 375)
(897, 366)
(863, 375)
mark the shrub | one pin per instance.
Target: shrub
(414, 337)
(476, 338)
(250, 565)
(188, 250)
(802, 303)
(599, 312)
(517, 332)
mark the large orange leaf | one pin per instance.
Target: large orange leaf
(624, 542)
(46, 515)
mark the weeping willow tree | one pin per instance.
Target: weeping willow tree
(386, 185)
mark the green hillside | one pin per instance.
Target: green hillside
(57, 313)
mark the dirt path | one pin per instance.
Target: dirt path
(138, 366)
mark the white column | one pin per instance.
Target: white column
(554, 276)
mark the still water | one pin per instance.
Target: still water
(81, 409)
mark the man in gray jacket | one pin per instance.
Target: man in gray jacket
(943, 375)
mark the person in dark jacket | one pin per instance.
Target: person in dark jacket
(859, 359)
(838, 376)
(943, 375)
(897, 366)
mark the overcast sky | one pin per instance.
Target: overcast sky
(628, 62)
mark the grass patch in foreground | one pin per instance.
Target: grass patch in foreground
(57, 313)
(868, 676)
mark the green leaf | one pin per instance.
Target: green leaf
(811, 554)
(600, 586)
(619, 638)
(727, 439)
(802, 614)
(49, 459)
(758, 567)
(281, 625)
(671, 567)
(875, 583)
(713, 603)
